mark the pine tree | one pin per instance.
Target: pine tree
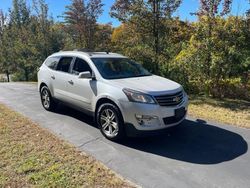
(81, 19)
(3, 62)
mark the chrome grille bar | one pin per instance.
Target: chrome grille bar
(170, 99)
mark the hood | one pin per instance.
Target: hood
(153, 85)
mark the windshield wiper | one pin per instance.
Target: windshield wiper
(141, 75)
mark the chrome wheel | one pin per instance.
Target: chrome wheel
(109, 123)
(45, 98)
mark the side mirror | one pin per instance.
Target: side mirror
(85, 75)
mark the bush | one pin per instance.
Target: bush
(2, 78)
(231, 88)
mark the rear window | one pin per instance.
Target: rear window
(52, 62)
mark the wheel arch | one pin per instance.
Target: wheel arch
(42, 85)
(103, 100)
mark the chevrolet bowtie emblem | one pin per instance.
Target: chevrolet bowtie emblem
(176, 99)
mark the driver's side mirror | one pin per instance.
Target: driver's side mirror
(85, 75)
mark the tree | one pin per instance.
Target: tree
(49, 38)
(81, 19)
(3, 62)
(147, 18)
(20, 13)
(2, 22)
(103, 37)
(210, 10)
(127, 40)
(229, 65)
(23, 49)
(248, 12)
(28, 38)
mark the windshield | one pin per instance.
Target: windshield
(117, 68)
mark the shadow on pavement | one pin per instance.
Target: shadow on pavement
(68, 111)
(193, 141)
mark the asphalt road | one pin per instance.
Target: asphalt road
(196, 154)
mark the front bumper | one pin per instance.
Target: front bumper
(131, 131)
(162, 117)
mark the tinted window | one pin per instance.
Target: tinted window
(80, 66)
(64, 64)
(116, 68)
(52, 62)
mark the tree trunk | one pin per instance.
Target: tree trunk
(8, 76)
(26, 74)
(156, 31)
(209, 36)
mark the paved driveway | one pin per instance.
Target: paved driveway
(196, 154)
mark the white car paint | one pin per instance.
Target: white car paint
(85, 93)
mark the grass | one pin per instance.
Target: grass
(228, 111)
(32, 157)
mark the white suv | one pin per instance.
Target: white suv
(123, 97)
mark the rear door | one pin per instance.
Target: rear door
(61, 77)
(82, 90)
(48, 75)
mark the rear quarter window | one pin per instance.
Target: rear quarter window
(52, 62)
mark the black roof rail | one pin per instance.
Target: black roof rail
(90, 51)
(84, 50)
(107, 51)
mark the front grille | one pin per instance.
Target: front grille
(170, 99)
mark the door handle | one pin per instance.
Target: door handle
(71, 82)
(53, 77)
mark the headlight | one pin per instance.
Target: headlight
(136, 96)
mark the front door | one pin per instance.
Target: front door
(82, 90)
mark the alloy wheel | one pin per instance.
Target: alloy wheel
(45, 98)
(109, 123)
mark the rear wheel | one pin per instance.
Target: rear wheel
(110, 122)
(46, 99)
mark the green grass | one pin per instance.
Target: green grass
(228, 111)
(31, 156)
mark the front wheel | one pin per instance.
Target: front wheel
(110, 122)
(46, 99)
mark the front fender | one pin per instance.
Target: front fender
(106, 96)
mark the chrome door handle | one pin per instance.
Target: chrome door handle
(71, 82)
(53, 77)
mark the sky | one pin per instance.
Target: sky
(57, 7)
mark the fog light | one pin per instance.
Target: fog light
(147, 120)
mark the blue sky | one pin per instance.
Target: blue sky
(57, 7)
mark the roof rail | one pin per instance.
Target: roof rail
(84, 50)
(91, 50)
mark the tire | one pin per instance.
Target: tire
(110, 122)
(47, 100)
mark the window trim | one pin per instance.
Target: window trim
(73, 63)
(57, 57)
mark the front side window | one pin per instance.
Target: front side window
(52, 62)
(80, 66)
(64, 64)
(117, 68)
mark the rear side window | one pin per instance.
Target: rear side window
(64, 64)
(80, 66)
(52, 62)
